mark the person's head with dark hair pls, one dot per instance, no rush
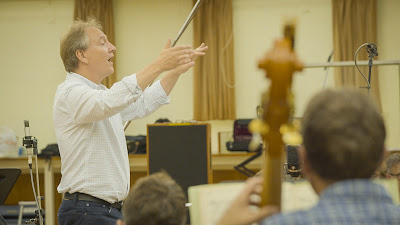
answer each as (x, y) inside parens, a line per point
(163, 120)
(155, 200)
(344, 136)
(393, 167)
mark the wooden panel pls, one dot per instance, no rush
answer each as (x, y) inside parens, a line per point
(136, 175)
(22, 190)
(228, 175)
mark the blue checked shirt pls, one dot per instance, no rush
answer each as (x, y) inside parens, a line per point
(350, 202)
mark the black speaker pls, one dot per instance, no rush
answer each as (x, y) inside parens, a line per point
(182, 150)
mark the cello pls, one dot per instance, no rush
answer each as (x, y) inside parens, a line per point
(276, 127)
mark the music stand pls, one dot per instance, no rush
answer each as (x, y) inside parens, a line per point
(8, 177)
(242, 166)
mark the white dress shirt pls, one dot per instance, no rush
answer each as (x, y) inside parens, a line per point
(88, 120)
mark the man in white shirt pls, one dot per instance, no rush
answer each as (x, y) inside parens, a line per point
(88, 120)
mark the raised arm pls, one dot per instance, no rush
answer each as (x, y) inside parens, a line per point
(169, 58)
(169, 80)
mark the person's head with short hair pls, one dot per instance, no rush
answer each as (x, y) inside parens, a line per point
(393, 166)
(344, 135)
(84, 49)
(380, 172)
(155, 200)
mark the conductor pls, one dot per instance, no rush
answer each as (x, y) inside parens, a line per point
(88, 120)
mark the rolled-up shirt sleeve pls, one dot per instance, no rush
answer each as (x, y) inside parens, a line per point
(152, 98)
(87, 102)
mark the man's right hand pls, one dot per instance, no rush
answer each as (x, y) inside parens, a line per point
(172, 57)
(242, 210)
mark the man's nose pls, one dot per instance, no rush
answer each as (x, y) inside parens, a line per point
(112, 48)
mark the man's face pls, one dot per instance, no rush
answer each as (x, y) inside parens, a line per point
(99, 53)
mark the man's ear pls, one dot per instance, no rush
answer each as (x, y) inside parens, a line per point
(81, 56)
(120, 222)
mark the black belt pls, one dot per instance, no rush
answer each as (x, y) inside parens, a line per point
(85, 197)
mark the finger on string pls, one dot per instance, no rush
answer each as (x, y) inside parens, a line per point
(251, 185)
(255, 199)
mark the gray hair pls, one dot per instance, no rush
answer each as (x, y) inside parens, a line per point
(392, 161)
(344, 135)
(75, 39)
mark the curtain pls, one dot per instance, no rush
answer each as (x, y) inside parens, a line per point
(102, 10)
(354, 23)
(214, 93)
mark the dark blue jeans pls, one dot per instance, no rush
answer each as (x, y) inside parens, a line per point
(73, 212)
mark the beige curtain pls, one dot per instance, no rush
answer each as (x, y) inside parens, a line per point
(102, 10)
(214, 93)
(354, 23)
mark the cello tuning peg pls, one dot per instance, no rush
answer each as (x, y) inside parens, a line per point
(255, 142)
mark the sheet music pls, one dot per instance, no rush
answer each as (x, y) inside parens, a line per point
(210, 201)
(213, 200)
(297, 195)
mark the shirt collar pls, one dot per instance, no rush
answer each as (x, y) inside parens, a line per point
(91, 84)
(353, 188)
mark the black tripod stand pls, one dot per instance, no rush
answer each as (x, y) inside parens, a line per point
(30, 144)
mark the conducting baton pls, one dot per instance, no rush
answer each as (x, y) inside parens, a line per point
(187, 22)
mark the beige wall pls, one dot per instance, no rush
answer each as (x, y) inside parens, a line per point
(389, 48)
(31, 68)
(142, 29)
(257, 24)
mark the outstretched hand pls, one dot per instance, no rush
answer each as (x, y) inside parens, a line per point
(199, 51)
(172, 57)
(244, 210)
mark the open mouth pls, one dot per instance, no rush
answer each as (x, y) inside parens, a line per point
(110, 59)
